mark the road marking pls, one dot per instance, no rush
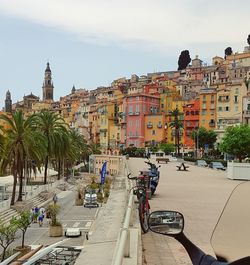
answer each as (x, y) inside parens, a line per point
(77, 220)
(88, 224)
(75, 224)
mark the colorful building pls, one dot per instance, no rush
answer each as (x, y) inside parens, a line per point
(208, 108)
(191, 122)
(137, 106)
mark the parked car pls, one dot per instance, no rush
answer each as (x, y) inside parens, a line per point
(217, 165)
(201, 163)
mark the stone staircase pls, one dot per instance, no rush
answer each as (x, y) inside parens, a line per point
(40, 201)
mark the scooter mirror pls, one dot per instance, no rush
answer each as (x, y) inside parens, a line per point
(166, 222)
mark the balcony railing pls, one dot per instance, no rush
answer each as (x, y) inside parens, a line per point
(211, 124)
(149, 126)
(159, 126)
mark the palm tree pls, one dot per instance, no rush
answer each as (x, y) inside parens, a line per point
(177, 124)
(54, 128)
(22, 143)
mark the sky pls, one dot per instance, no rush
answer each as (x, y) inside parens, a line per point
(90, 43)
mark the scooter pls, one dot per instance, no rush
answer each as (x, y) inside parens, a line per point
(230, 239)
(154, 175)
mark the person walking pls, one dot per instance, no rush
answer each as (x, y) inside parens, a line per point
(40, 218)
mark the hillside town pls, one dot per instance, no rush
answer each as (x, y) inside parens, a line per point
(138, 111)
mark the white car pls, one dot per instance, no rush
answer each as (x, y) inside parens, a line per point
(72, 232)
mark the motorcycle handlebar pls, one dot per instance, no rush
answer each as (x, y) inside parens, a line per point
(128, 176)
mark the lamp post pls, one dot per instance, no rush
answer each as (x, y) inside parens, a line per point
(197, 142)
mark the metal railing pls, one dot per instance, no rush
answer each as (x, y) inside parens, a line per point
(123, 245)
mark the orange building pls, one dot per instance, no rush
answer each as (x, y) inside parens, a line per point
(191, 121)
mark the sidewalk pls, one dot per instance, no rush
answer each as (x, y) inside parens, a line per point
(103, 236)
(200, 194)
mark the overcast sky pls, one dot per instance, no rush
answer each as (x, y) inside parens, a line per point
(90, 43)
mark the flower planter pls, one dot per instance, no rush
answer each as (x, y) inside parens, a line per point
(55, 231)
(78, 202)
(240, 171)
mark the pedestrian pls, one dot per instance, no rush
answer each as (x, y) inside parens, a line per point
(40, 219)
(36, 214)
(42, 211)
(55, 198)
(32, 215)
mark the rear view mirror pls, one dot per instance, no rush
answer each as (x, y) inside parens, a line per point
(166, 222)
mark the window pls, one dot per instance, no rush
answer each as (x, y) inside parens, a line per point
(130, 109)
(236, 90)
(144, 108)
(137, 109)
(136, 133)
(219, 108)
(236, 108)
(187, 113)
(204, 105)
(137, 124)
(203, 112)
(153, 132)
(226, 108)
(137, 98)
(248, 106)
(131, 123)
(203, 122)
(196, 112)
(136, 143)
(130, 133)
(235, 99)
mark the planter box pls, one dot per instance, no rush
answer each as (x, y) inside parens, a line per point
(78, 202)
(55, 231)
(239, 171)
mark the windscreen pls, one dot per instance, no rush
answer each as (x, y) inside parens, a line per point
(231, 236)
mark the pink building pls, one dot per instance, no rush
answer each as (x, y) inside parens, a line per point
(136, 106)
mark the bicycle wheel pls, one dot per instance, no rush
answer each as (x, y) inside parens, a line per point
(143, 215)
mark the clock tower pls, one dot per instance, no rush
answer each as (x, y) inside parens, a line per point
(48, 87)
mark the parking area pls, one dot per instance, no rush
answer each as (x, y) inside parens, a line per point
(200, 194)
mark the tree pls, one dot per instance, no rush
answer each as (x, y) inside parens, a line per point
(22, 222)
(248, 39)
(228, 51)
(204, 137)
(22, 143)
(167, 148)
(7, 236)
(53, 210)
(53, 126)
(176, 124)
(236, 141)
(184, 60)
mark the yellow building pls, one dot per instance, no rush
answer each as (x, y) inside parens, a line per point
(229, 107)
(155, 131)
(207, 108)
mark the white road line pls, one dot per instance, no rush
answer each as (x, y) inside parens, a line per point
(88, 224)
(75, 224)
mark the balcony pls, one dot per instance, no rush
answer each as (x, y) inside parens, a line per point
(246, 113)
(149, 126)
(211, 124)
(223, 99)
(212, 107)
(131, 113)
(159, 126)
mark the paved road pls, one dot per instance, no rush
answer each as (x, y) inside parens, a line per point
(70, 216)
(200, 194)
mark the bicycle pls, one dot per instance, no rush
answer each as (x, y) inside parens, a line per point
(140, 190)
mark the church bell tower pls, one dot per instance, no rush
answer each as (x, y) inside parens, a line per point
(48, 87)
(8, 102)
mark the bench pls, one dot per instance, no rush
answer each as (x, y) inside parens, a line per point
(162, 159)
(184, 167)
